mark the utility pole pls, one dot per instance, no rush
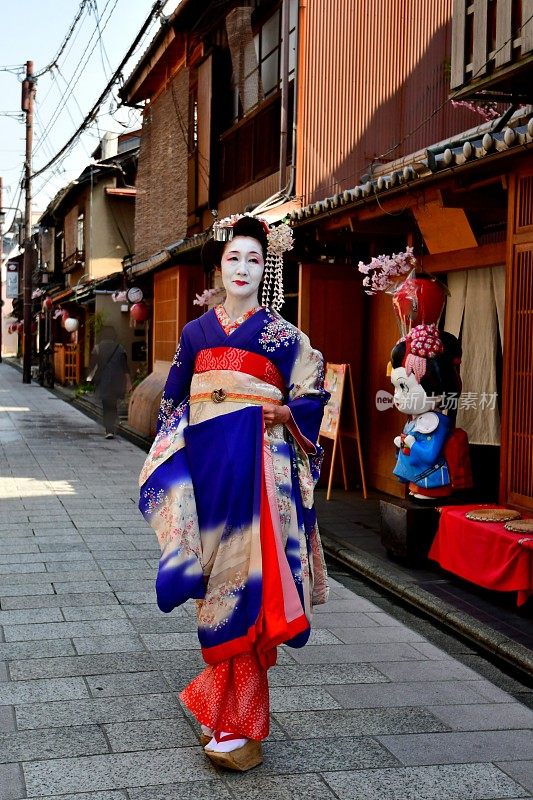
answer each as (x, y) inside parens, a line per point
(1, 257)
(28, 95)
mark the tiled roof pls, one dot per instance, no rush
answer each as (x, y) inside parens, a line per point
(441, 158)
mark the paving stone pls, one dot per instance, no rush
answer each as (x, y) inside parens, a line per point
(64, 600)
(449, 670)
(128, 683)
(76, 587)
(322, 674)
(487, 716)
(300, 698)
(96, 711)
(171, 641)
(67, 630)
(80, 665)
(42, 690)
(3, 672)
(150, 735)
(17, 548)
(196, 790)
(88, 613)
(145, 597)
(21, 569)
(415, 693)
(167, 623)
(43, 649)
(7, 719)
(254, 786)
(25, 617)
(53, 743)
(11, 782)
(447, 782)
(29, 589)
(116, 771)
(108, 644)
(519, 771)
(377, 635)
(460, 747)
(318, 755)
(358, 722)
(350, 653)
(118, 795)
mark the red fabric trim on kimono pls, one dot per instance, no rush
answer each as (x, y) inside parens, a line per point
(231, 696)
(232, 358)
(281, 616)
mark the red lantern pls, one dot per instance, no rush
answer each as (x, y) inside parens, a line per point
(48, 304)
(139, 312)
(419, 300)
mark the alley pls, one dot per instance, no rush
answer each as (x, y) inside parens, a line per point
(89, 668)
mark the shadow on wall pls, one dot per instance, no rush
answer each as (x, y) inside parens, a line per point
(402, 122)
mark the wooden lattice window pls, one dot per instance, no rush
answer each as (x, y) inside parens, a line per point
(517, 482)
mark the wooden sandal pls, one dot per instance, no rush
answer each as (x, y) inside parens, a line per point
(241, 759)
(205, 738)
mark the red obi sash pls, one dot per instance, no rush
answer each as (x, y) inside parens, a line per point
(232, 358)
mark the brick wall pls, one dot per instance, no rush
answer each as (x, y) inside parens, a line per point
(161, 203)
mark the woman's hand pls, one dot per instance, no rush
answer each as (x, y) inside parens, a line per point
(276, 415)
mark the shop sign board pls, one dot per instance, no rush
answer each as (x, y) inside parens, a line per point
(12, 280)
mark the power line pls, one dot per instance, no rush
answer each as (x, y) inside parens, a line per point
(103, 51)
(79, 69)
(70, 31)
(156, 8)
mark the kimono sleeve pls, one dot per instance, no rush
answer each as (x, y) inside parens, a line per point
(307, 396)
(177, 386)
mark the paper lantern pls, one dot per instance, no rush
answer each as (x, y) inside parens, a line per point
(419, 300)
(48, 304)
(139, 312)
(135, 295)
(71, 324)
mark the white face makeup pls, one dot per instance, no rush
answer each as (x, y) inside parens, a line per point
(409, 395)
(242, 267)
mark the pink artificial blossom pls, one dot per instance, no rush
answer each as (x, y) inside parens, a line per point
(382, 271)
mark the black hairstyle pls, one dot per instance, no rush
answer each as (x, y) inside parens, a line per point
(246, 226)
(442, 371)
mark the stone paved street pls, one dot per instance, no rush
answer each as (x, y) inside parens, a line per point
(89, 668)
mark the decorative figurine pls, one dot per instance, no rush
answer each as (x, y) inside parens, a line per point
(432, 454)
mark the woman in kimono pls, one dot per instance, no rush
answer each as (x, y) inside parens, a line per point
(228, 487)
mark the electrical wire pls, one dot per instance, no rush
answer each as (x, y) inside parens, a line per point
(79, 71)
(156, 8)
(70, 31)
(103, 51)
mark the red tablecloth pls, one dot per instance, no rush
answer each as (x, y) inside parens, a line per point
(484, 552)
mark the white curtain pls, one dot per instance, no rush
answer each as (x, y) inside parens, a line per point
(476, 305)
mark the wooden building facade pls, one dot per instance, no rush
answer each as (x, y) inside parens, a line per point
(264, 105)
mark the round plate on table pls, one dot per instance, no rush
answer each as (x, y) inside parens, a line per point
(492, 514)
(519, 526)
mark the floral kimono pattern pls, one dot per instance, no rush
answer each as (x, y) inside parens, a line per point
(231, 501)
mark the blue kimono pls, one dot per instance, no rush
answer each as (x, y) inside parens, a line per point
(424, 463)
(232, 502)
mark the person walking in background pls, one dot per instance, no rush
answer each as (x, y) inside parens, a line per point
(110, 375)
